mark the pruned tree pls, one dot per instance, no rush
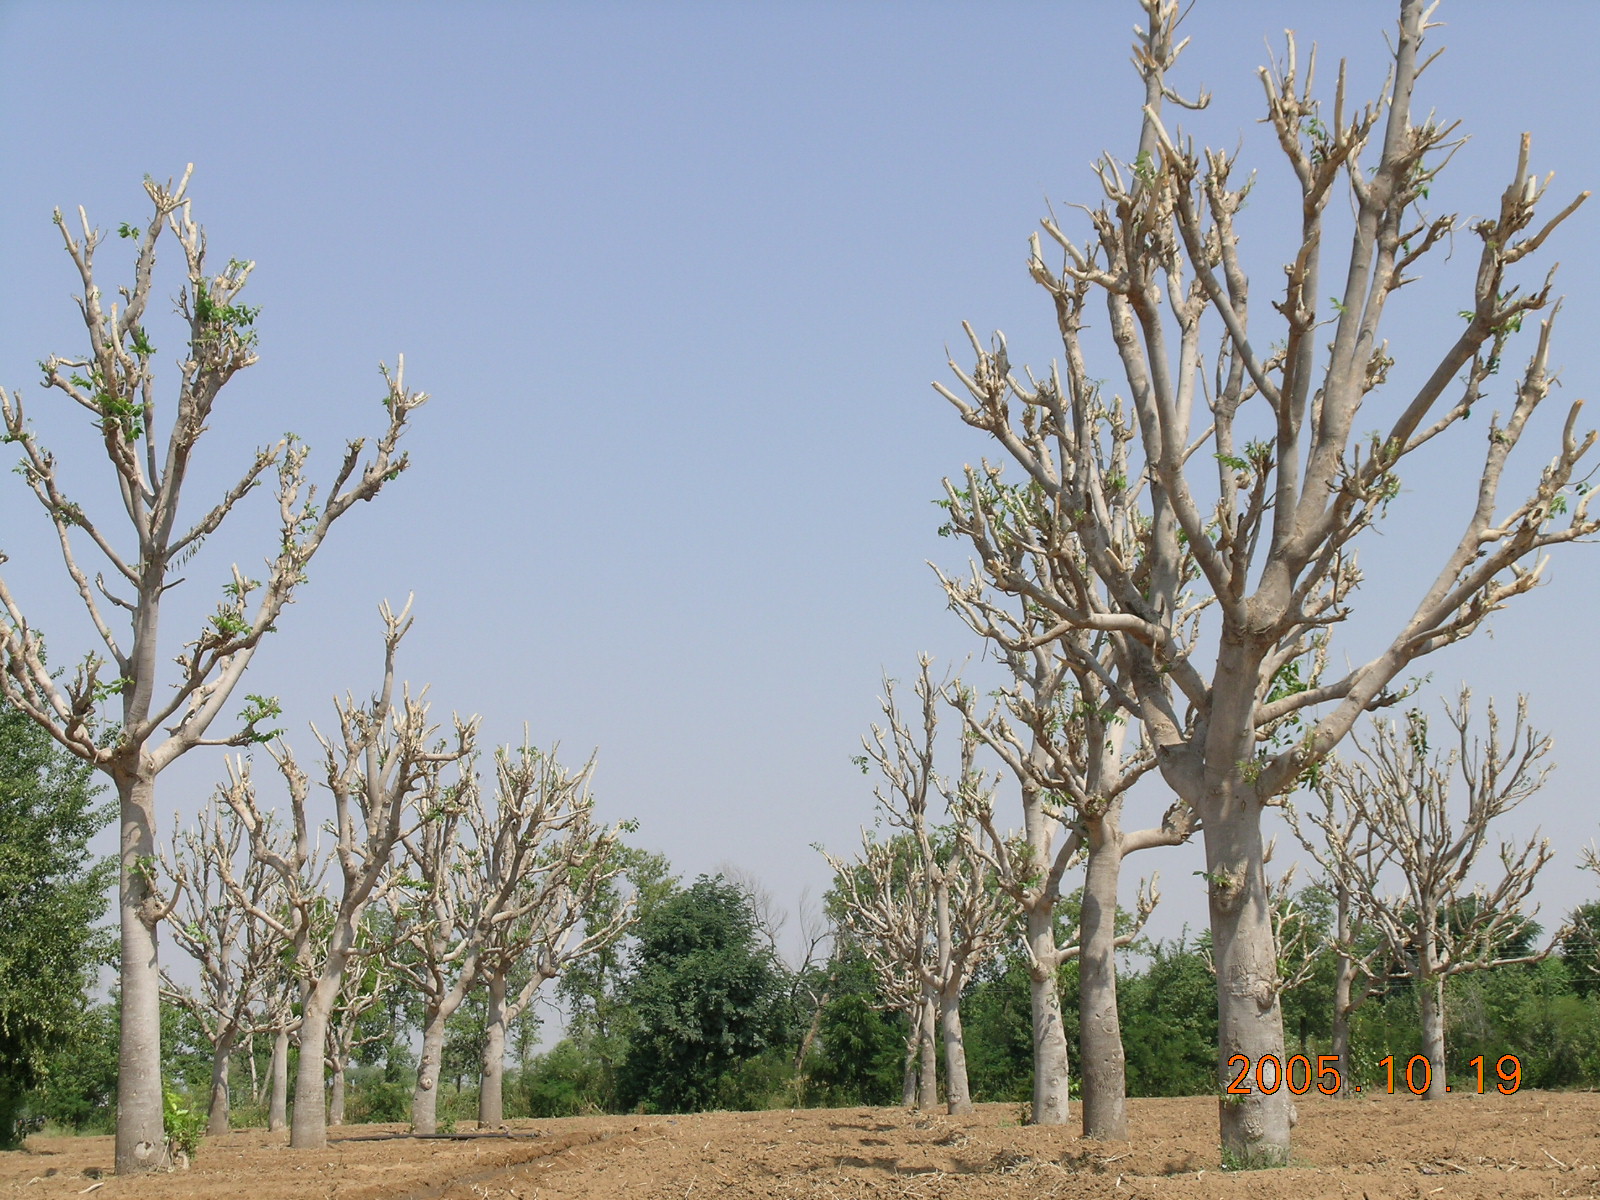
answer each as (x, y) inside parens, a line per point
(385, 776)
(942, 916)
(1398, 786)
(883, 904)
(1207, 522)
(1069, 752)
(158, 721)
(476, 870)
(1350, 851)
(552, 860)
(237, 955)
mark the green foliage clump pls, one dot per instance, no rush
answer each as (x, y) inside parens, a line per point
(1169, 1023)
(185, 1125)
(860, 1047)
(51, 898)
(706, 994)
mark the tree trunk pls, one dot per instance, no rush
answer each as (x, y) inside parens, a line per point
(1050, 1077)
(309, 1129)
(491, 1087)
(141, 1129)
(278, 1109)
(1341, 1031)
(1255, 1126)
(928, 1079)
(221, 1056)
(1100, 1053)
(1431, 993)
(255, 1075)
(336, 1092)
(425, 1099)
(1344, 977)
(958, 1098)
(908, 1075)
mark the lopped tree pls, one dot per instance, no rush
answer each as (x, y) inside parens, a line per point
(882, 907)
(1348, 850)
(237, 955)
(1074, 770)
(385, 774)
(1206, 520)
(487, 881)
(929, 903)
(113, 710)
(1396, 791)
(553, 862)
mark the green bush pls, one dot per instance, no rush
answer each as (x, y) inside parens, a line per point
(185, 1125)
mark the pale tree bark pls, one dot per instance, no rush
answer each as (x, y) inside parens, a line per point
(1074, 769)
(927, 1053)
(1387, 811)
(278, 1104)
(385, 762)
(159, 722)
(491, 1086)
(908, 1069)
(1213, 554)
(235, 953)
(923, 912)
(282, 991)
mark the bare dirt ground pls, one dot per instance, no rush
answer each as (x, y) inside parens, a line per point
(1530, 1144)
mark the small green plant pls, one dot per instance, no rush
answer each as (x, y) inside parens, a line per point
(1233, 1160)
(185, 1128)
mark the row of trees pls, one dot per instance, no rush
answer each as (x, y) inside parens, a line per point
(690, 1004)
(427, 876)
(440, 887)
(1404, 893)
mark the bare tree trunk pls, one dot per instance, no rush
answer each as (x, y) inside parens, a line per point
(1050, 1065)
(255, 1075)
(1432, 997)
(278, 1109)
(491, 1087)
(908, 1074)
(141, 1130)
(958, 1097)
(221, 1056)
(928, 1078)
(1255, 1126)
(1100, 1053)
(1343, 978)
(309, 1127)
(425, 1099)
(337, 1091)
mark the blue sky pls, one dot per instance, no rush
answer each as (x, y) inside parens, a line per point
(678, 277)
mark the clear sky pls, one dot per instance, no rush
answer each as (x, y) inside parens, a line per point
(678, 277)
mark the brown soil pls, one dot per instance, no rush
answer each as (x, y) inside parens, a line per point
(1530, 1144)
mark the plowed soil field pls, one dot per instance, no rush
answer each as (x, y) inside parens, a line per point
(1530, 1144)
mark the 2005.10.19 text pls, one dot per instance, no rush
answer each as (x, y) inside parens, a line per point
(1269, 1074)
